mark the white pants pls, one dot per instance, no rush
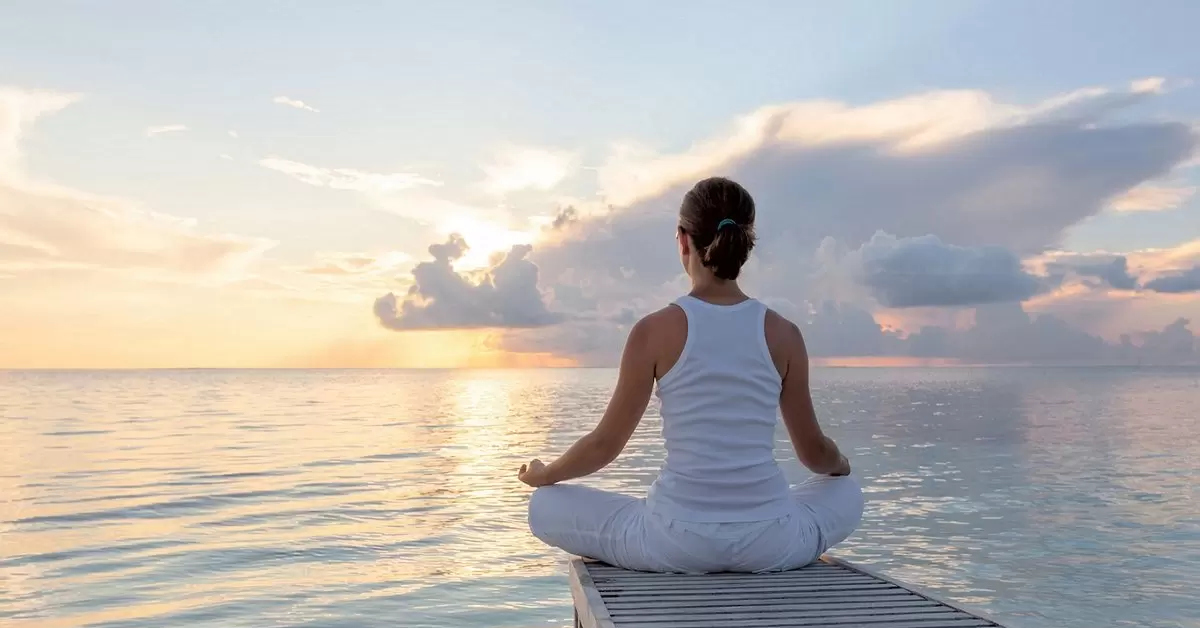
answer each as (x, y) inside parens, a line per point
(620, 531)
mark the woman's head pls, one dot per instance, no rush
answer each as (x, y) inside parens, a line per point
(716, 227)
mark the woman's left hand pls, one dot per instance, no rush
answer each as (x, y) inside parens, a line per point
(533, 474)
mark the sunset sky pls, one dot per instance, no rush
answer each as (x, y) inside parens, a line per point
(279, 184)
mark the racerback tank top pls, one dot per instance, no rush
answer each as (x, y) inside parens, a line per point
(719, 413)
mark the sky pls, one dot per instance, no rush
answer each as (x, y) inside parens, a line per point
(472, 184)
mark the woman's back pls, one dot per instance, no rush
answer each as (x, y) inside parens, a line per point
(719, 404)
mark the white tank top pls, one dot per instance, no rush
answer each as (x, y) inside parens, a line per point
(719, 409)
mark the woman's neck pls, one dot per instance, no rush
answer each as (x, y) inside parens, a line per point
(708, 287)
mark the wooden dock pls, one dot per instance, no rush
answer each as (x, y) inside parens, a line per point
(828, 593)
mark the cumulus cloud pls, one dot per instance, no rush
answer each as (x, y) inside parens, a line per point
(924, 272)
(296, 104)
(1111, 269)
(1174, 343)
(1152, 198)
(1114, 273)
(166, 128)
(503, 296)
(1001, 333)
(966, 186)
(347, 178)
(526, 167)
(1175, 283)
(954, 164)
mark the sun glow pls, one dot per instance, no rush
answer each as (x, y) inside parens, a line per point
(485, 239)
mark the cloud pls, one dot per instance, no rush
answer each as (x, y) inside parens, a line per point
(1176, 283)
(233, 134)
(564, 217)
(347, 178)
(967, 187)
(1151, 198)
(1110, 268)
(291, 102)
(924, 272)
(1174, 343)
(344, 264)
(957, 165)
(1001, 333)
(19, 108)
(503, 296)
(166, 128)
(45, 226)
(1115, 273)
(526, 167)
(1149, 85)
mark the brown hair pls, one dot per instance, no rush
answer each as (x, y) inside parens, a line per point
(723, 247)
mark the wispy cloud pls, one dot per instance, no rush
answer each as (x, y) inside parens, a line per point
(347, 178)
(226, 157)
(166, 128)
(1151, 198)
(357, 264)
(18, 108)
(292, 102)
(233, 134)
(46, 226)
(526, 167)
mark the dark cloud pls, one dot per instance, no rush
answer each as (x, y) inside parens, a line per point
(1001, 333)
(564, 217)
(924, 271)
(1113, 270)
(1115, 273)
(1175, 343)
(835, 329)
(1186, 281)
(505, 295)
(1005, 333)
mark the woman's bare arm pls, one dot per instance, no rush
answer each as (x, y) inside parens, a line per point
(815, 450)
(602, 445)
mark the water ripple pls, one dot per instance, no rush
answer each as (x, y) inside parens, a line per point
(369, 498)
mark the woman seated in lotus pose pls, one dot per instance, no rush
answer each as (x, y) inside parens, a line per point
(724, 364)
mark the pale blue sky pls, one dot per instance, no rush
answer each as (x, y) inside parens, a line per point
(433, 87)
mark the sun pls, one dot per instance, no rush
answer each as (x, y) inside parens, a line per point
(485, 239)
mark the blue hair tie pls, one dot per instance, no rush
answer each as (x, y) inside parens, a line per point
(728, 222)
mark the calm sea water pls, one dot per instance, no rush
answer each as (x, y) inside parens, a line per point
(1050, 497)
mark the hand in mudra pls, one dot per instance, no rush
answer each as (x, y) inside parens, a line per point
(843, 468)
(533, 474)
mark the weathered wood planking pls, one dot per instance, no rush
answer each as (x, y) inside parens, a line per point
(830, 593)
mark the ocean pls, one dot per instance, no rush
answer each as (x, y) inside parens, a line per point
(1044, 496)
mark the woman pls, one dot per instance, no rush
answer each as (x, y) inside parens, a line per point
(724, 365)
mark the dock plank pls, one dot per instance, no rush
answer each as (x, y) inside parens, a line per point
(828, 593)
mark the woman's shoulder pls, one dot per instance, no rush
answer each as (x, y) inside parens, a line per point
(785, 341)
(780, 325)
(671, 317)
